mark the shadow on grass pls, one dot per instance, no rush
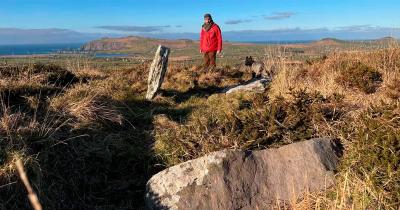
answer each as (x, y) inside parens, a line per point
(104, 166)
(200, 92)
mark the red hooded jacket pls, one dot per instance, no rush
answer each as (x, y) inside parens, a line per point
(211, 40)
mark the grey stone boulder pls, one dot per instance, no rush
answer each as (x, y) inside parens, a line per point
(258, 85)
(232, 179)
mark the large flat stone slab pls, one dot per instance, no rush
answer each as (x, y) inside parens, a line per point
(233, 179)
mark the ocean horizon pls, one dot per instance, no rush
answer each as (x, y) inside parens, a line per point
(37, 49)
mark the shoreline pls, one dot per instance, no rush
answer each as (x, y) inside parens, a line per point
(28, 56)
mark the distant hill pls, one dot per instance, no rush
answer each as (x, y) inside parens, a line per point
(352, 44)
(328, 42)
(134, 43)
(388, 38)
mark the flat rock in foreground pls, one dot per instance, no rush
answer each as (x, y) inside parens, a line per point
(258, 85)
(233, 179)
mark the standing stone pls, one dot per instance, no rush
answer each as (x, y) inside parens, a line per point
(157, 71)
(232, 179)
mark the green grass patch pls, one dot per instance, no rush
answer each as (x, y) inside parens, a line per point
(242, 121)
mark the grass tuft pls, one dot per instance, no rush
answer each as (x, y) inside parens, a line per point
(361, 77)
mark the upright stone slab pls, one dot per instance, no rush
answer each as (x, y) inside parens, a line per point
(157, 71)
(232, 179)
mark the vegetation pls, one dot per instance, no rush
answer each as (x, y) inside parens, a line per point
(374, 157)
(242, 121)
(89, 140)
(361, 77)
(369, 174)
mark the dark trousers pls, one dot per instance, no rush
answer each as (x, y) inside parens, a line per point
(210, 59)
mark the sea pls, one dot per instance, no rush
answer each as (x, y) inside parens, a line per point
(38, 49)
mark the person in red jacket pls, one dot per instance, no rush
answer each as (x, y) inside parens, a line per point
(210, 42)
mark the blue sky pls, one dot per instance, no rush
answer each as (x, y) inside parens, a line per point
(156, 18)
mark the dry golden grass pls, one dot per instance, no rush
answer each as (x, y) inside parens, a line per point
(355, 188)
(31, 193)
(322, 76)
(100, 134)
(88, 107)
(369, 175)
(83, 68)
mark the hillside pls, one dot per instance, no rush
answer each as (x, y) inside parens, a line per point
(184, 49)
(140, 44)
(134, 43)
(329, 41)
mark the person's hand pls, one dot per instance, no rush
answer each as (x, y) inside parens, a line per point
(201, 51)
(219, 52)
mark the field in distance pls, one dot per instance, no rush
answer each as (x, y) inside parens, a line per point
(185, 49)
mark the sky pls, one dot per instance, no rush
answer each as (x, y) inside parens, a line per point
(259, 20)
